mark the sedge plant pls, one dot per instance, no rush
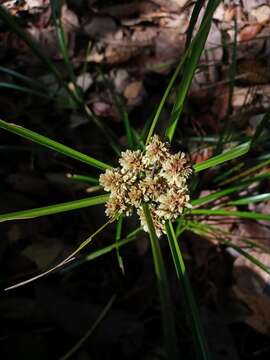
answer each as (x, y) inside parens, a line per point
(237, 175)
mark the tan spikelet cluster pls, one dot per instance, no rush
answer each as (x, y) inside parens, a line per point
(155, 177)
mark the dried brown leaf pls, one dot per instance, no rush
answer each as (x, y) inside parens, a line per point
(250, 31)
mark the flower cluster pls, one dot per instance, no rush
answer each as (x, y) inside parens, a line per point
(155, 177)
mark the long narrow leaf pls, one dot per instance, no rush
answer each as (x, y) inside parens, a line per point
(223, 235)
(67, 260)
(250, 199)
(239, 214)
(165, 97)
(64, 102)
(33, 82)
(101, 316)
(163, 287)
(20, 32)
(216, 195)
(245, 173)
(100, 252)
(226, 130)
(54, 209)
(26, 90)
(104, 250)
(260, 128)
(106, 131)
(239, 150)
(248, 256)
(253, 179)
(193, 20)
(190, 66)
(83, 178)
(138, 140)
(122, 111)
(230, 171)
(232, 70)
(118, 232)
(42, 94)
(51, 144)
(56, 14)
(203, 230)
(201, 346)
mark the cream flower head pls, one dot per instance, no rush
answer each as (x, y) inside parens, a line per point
(155, 177)
(173, 203)
(111, 180)
(131, 161)
(156, 152)
(175, 169)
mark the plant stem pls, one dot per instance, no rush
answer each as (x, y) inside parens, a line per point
(201, 346)
(163, 288)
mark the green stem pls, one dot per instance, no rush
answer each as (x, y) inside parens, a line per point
(163, 288)
(197, 330)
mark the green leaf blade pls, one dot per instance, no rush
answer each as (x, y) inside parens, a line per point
(54, 209)
(251, 199)
(21, 33)
(216, 195)
(201, 346)
(234, 153)
(53, 145)
(163, 287)
(239, 214)
(190, 66)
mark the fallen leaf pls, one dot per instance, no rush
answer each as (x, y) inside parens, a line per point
(220, 12)
(99, 26)
(106, 110)
(171, 5)
(249, 5)
(261, 14)
(253, 288)
(201, 155)
(249, 32)
(259, 306)
(115, 54)
(241, 96)
(144, 36)
(84, 81)
(30, 6)
(133, 89)
(180, 3)
(134, 92)
(179, 21)
(229, 13)
(36, 3)
(120, 79)
(253, 70)
(69, 19)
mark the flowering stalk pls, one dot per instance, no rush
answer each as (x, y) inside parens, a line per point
(154, 177)
(193, 312)
(163, 288)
